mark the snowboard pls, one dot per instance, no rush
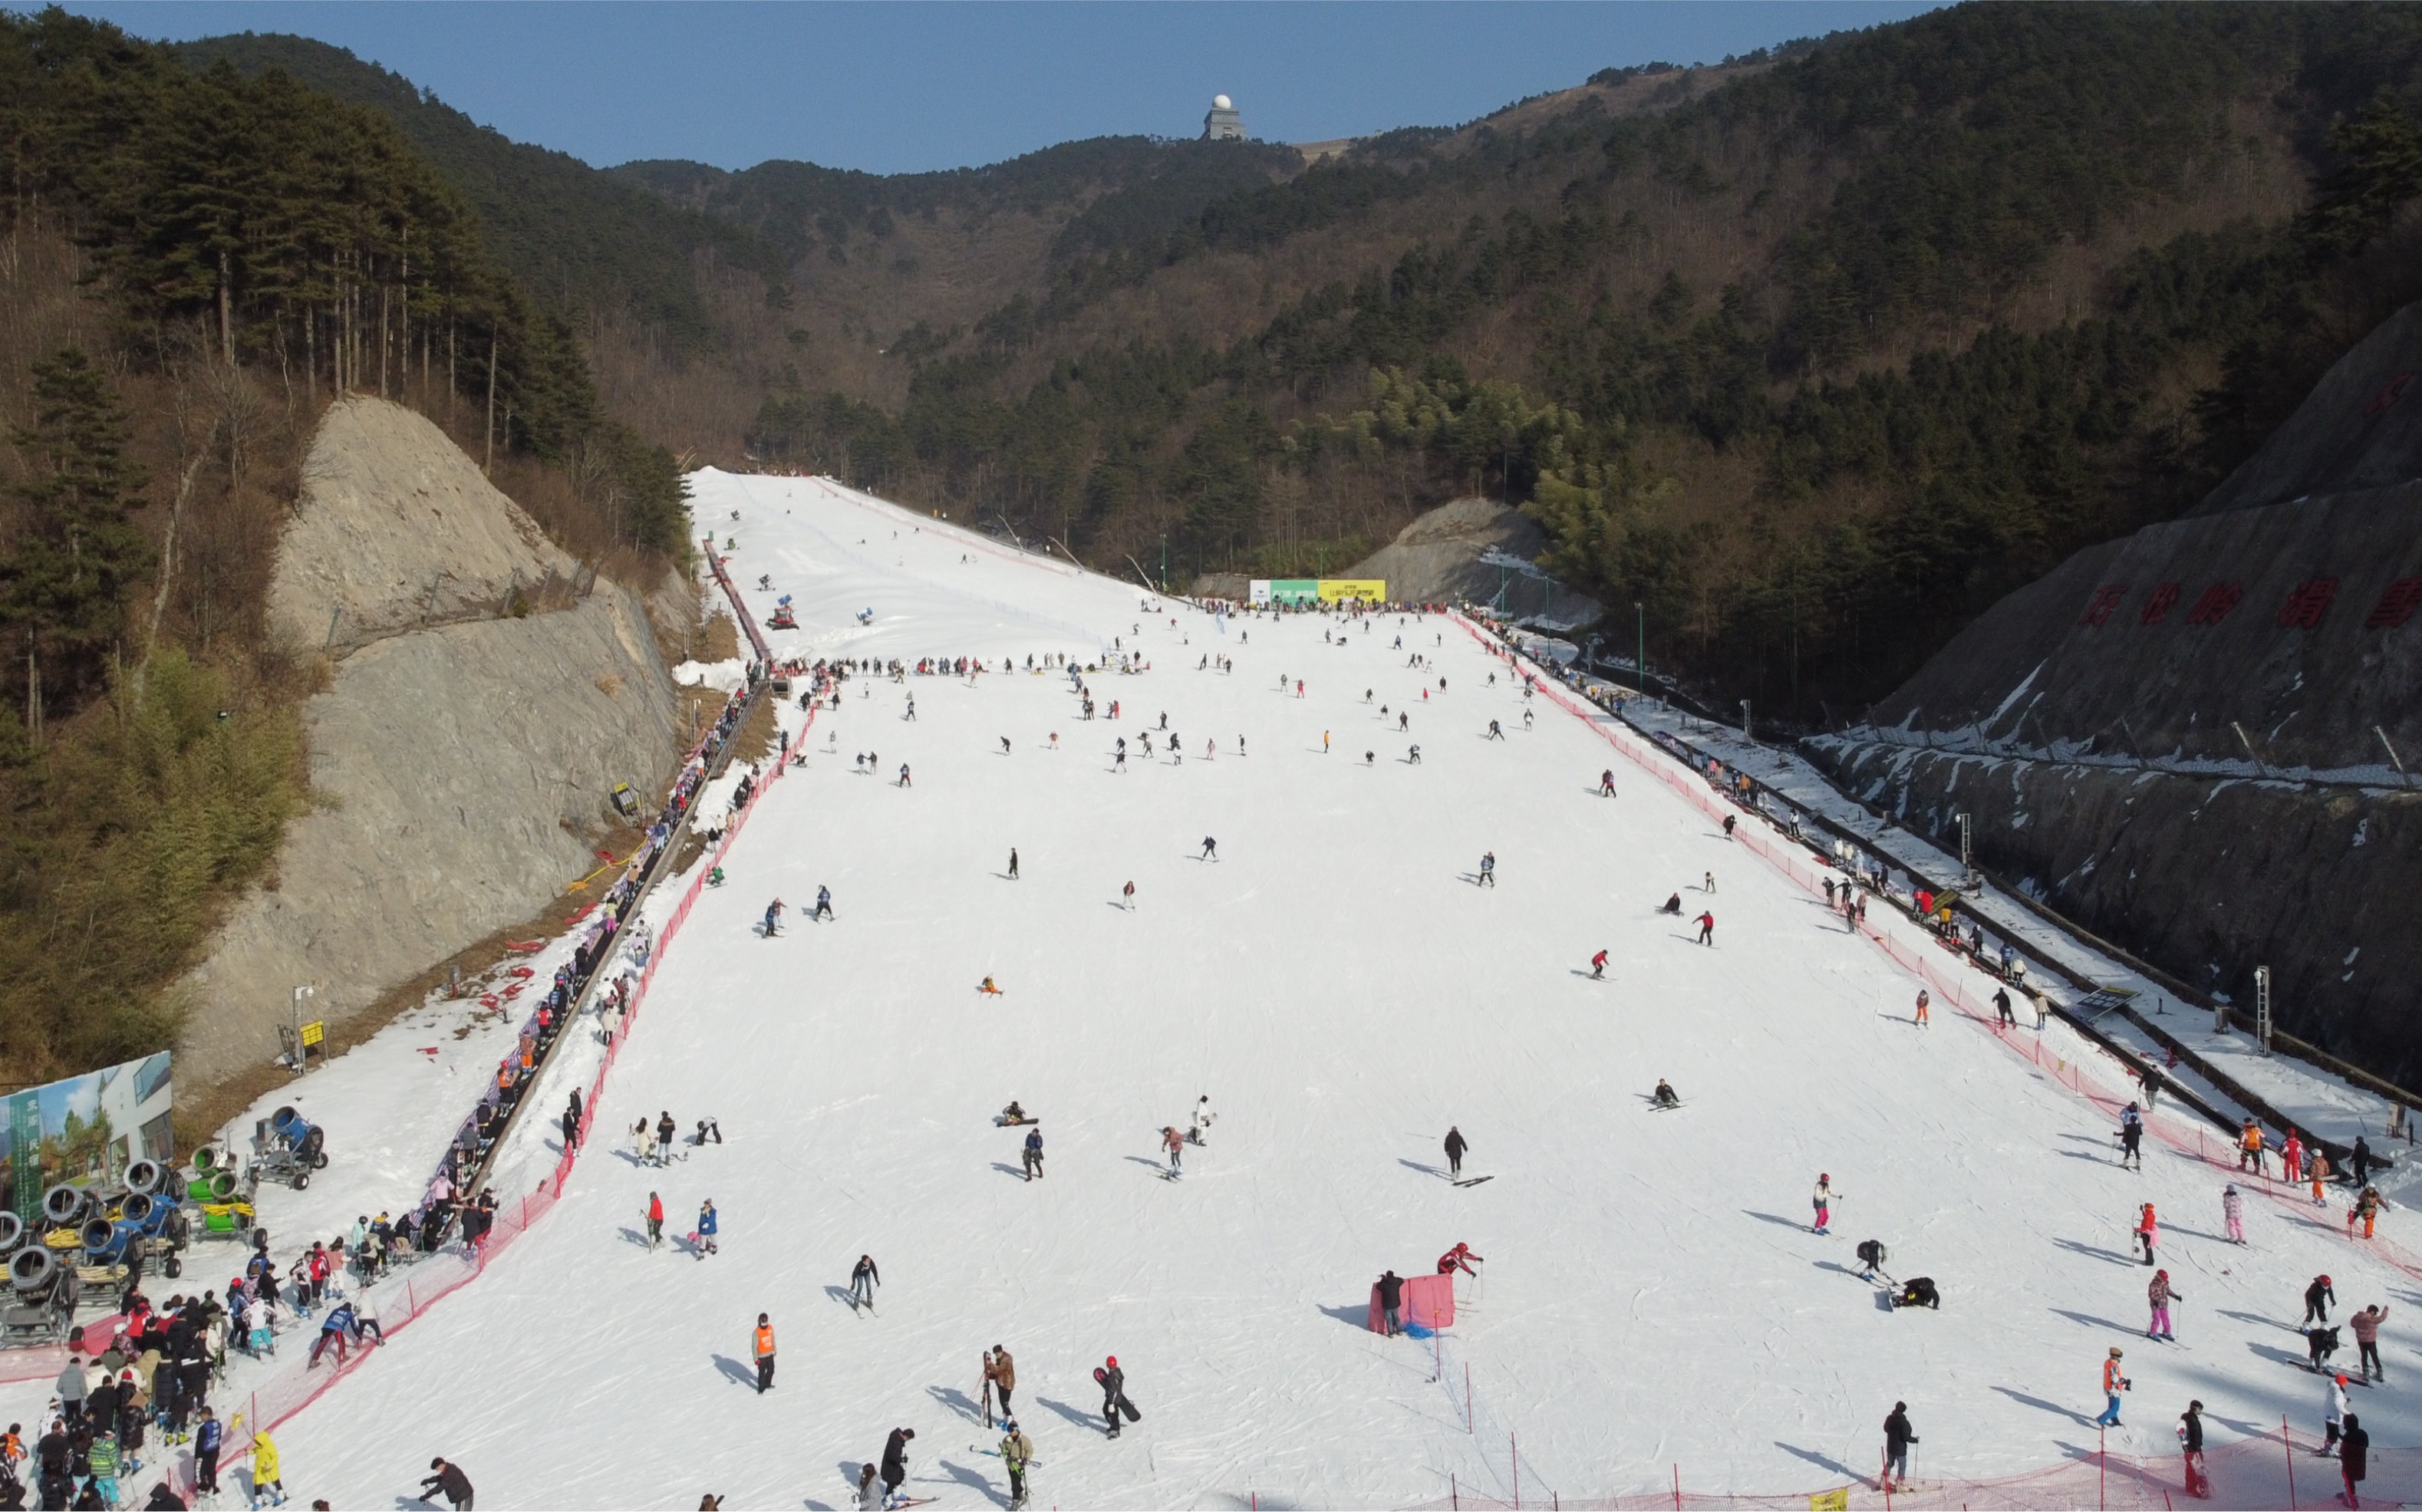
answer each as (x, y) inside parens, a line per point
(1124, 1406)
(1475, 1181)
(999, 1122)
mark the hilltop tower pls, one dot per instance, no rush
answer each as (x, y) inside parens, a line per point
(1223, 124)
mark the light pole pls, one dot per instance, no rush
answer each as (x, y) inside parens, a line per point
(1967, 871)
(1745, 734)
(1640, 666)
(301, 1058)
(1164, 562)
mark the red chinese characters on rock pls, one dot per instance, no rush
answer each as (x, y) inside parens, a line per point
(2105, 604)
(2215, 603)
(2307, 603)
(2396, 604)
(2156, 608)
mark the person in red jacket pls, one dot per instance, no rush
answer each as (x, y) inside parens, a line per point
(1706, 922)
(1459, 1258)
(656, 1221)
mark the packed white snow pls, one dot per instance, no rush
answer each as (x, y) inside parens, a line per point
(1343, 991)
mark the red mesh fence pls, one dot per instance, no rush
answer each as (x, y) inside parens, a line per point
(400, 1300)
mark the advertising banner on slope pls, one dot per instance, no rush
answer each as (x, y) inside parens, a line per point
(1338, 589)
(84, 1130)
(1293, 590)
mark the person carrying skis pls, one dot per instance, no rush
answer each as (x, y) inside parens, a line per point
(1597, 966)
(1033, 1155)
(706, 1227)
(1016, 1452)
(2112, 1384)
(446, 1478)
(2132, 1137)
(2232, 1211)
(2318, 1300)
(1898, 1435)
(1706, 922)
(760, 1345)
(1455, 1146)
(773, 918)
(2191, 1443)
(824, 905)
(863, 1279)
(1000, 1373)
(1459, 1258)
(1822, 1201)
(2160, 1295)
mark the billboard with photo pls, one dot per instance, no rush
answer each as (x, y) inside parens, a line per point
(84, 1130)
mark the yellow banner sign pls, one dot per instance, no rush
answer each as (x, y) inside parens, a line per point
(1333, 590)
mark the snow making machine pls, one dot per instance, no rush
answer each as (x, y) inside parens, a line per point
(216, 1200)
(287, 1148)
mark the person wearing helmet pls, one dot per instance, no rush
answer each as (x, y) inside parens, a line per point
(2160, 1296)
(1016, 1452)
(1822, 1201)
(2318, 1298)
(1115, 1385)
(2112, 1384)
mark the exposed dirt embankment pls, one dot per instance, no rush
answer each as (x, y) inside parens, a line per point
(2190, 738)
(1439, 558)
(462, 770)
(2208, 878)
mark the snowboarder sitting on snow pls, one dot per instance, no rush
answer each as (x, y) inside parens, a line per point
(715, 877)
(1012, 1113)
(1459, 1258)
(1872, 1255)
(988, 988)
(1918, 1291)
(1673, 905)
(1664, 1096)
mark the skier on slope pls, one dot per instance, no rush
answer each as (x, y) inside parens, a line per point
(1210, 849)
(1175, 1143)
(1706, 922)
(863, 1279)
(1013, 864)
(1822, 1201)
(1455, 1146)
(655, 1221)
(2333, 1408)
(1487, 869)
(1872, 1255)
(1017, 1454)
(2232, 1212)
(707, 1224)
(2319, 1298)
(1459, 1258)
(773, 918)
(895, 1460)
(1032, 1154)
(824, 903)
(761, 1344)
(2160, 1295)
(2149, 1232)
(1606, 783)
(1597, 966)
(2190, 1445)
(2112, 1384)
(2132, 1137)
(1664, 1096)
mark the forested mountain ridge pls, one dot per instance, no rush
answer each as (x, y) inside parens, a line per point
(1814, 355)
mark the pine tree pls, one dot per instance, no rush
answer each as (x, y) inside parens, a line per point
(62, 583)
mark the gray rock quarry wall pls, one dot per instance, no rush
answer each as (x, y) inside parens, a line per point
(2188, 739)
(461, 758)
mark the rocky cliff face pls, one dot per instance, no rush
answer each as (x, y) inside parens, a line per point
(461, 756)
(2191, 739)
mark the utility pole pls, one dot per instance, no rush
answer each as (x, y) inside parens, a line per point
(1745, 732)
(1967, 871)
(1164, 562)
(2262, 1008)
(1640, 666)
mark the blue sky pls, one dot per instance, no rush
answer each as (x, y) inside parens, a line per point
(895, 87)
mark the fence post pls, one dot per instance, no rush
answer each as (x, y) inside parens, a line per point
(1466, 1398)
(1454, 1496)
(1514, 1452)
(2289, 1450)
(2102, 1468)
(1677, 1488)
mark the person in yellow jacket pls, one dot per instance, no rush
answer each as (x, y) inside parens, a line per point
(266, 1479)
(763, 1343)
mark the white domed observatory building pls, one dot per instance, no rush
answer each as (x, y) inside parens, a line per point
(1224, 123)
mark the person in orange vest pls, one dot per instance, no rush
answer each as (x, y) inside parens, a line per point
(2249, 1148)
(2112, 1384)
(764, 1345)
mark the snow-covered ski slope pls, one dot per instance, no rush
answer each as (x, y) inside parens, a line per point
(1343, 991)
